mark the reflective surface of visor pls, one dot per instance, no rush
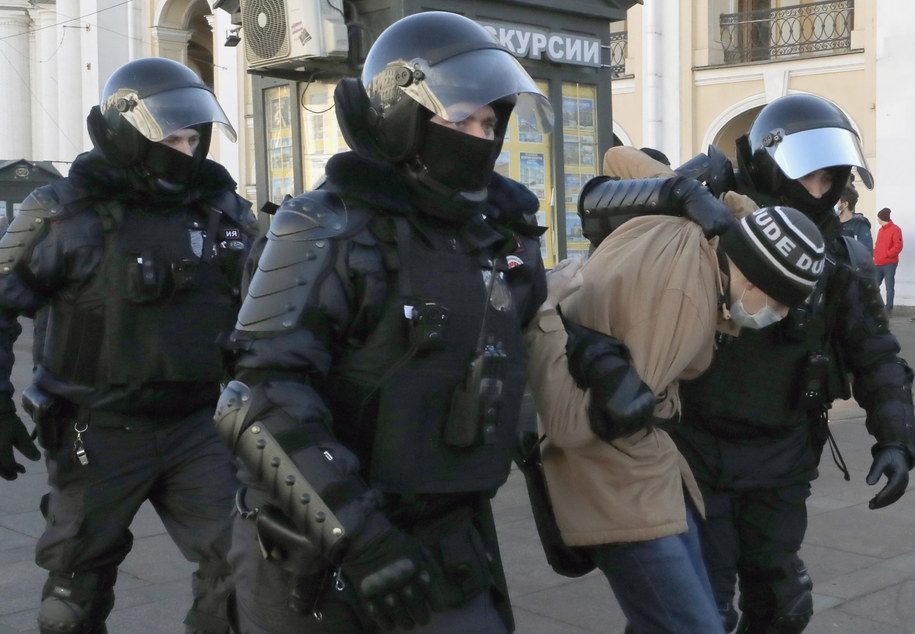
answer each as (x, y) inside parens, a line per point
(458, 86)
(162, 114)
(804, 152)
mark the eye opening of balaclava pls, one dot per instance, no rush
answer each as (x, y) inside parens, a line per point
(820, 210)
(170, 170)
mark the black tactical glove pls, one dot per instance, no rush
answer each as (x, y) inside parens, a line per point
(701, 206)
(621, 404)
(893, 461)
(13, 434)
(396, 579)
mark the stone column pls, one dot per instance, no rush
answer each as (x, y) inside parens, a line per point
(48, 132)
(15, 78)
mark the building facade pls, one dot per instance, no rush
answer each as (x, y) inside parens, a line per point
(697, 73)
(55, 57)
(680, 74)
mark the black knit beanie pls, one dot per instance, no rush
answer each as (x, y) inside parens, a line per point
(778, 249)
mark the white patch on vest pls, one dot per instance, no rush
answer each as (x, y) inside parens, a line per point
(513, 261)
(196, 241)
(501, 298)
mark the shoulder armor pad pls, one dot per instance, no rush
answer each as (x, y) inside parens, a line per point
(297, 253)
(316, 215)
(30, 225)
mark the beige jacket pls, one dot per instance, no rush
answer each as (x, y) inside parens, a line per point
(654, 283)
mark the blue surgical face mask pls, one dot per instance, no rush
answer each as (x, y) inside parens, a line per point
(837, 210)
(765, 316)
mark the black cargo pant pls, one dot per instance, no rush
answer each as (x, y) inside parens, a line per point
(180, 466)
(755, 491)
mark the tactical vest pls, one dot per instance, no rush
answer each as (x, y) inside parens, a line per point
(759, 377)
(406, 399)
(164, 291)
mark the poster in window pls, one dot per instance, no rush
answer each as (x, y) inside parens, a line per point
(533, 174)
(578, 113)
(570, 151)
(528, 129)
(586, 113)
(572, 187)
(502, 163)
(569, 112)
(573, 226)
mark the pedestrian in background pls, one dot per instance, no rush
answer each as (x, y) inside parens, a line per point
(854, 225)
(886, 254)
(138, 256)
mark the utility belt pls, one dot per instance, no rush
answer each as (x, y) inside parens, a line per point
(455, 539)
(49, 413)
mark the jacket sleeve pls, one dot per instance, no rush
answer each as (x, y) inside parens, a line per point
(311, 291)
(39, 262)
(882, 381)
(895, 247)
(864, 235)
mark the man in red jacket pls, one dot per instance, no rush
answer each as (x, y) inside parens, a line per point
(886, 254)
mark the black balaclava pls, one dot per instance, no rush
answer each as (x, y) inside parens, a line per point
(449, 173)
(168, 170)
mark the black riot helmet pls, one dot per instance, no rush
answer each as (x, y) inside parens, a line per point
(143, 102)
(438, 63)
(793, 136)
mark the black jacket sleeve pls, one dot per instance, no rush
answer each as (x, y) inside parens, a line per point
(304, 300)
(882, 380)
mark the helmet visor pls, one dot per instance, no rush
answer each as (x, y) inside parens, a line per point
(806, 151)
(457, 87)
(159, 115)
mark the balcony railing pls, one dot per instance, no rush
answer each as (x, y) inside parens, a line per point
(804, 30)
(618, 43)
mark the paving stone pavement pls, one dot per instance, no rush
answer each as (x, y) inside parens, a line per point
(862, 561)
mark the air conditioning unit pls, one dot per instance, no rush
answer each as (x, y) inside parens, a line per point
(280, 33)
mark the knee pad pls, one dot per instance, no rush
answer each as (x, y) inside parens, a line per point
(793, 597)
(778, 600)
(76, 603)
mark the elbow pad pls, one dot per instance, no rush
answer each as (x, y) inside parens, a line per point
(606, 203)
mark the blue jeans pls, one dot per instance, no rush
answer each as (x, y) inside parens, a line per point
(661, 584)
(887, 273)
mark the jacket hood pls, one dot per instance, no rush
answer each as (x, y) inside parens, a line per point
(382, 187)
(101, 178)
(858, 219)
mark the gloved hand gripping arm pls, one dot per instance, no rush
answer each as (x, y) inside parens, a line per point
(621, 403)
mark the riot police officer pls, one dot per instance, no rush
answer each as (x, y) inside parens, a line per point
(754, 425)
(379, 362)
(138, 254)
